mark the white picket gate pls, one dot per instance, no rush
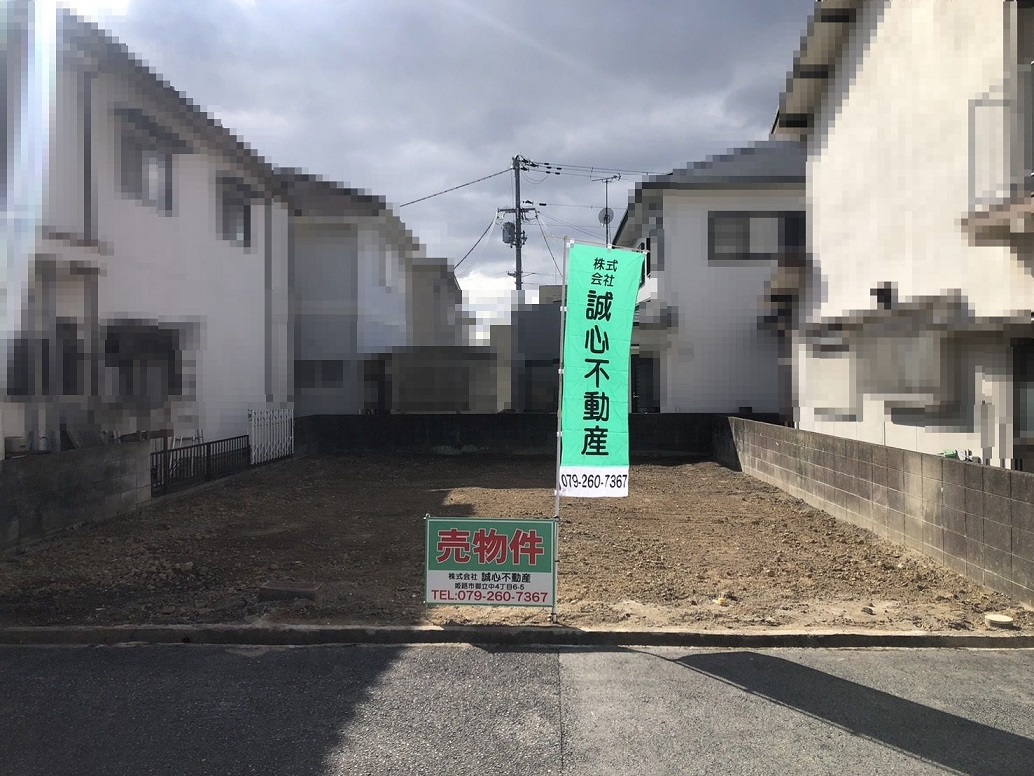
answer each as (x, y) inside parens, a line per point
(271, 432)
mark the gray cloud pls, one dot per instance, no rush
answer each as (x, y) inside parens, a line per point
(407, 97)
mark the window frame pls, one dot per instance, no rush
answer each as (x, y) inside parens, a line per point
(784, 219)
(234, 195)
(139, 154)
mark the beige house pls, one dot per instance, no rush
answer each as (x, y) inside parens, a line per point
(914, 329)
(436, 304)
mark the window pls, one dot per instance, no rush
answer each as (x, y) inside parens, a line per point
(235, 211)
(146, 169)
(319, 374)
(644, 245)
(145, 363)
(387, 268)
(751, 236)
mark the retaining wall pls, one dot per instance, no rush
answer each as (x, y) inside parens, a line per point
(975, 519)
(688, 433)
(43, 494)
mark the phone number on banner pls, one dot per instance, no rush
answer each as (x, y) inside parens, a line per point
(593, 482)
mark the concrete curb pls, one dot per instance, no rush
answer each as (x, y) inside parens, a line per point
(314, 635)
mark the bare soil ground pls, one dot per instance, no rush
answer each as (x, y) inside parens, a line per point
(694, 546)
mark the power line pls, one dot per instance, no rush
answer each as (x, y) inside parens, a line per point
(555, 166)
(572, 226)
(446, 191)
(528, 178)
(538, 220)
(475, 245)
(555, 204)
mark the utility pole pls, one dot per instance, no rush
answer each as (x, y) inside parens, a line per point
(607, 215)
(518, 233)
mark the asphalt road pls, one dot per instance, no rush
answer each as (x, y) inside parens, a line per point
(470, 710)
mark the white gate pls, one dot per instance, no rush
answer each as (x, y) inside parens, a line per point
(271, 432)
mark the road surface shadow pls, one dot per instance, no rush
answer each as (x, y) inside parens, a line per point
(168, 711)
(923, 732)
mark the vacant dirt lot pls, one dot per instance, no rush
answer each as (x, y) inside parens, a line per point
(694, 546)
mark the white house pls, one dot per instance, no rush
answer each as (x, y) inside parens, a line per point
(145, 247)
(352, 278)
(715, 233)
(915, 328)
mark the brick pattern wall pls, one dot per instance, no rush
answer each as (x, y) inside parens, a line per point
(975, 519)
(42, 494)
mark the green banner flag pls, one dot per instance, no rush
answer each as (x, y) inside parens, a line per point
(602, 285)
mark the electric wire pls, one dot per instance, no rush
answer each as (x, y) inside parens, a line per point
(472, 265)
(529, 179)
(556, 204)
(454, 188)
(591, 169)
(475, 245)
(572, 226)
(538, 220)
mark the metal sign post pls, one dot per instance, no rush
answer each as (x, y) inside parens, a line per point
(559, 426)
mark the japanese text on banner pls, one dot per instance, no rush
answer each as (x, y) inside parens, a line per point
(602, 285)
(494, 562)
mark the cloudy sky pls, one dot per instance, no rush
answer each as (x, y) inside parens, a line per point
(405, 98)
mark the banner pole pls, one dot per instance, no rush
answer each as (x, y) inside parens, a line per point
(559, 432)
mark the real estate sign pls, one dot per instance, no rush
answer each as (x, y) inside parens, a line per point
(602, 285)
(490, 562)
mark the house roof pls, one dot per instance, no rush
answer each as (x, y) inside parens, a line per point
(769, 161)
(311, 196)
(96, 44)
(772, 162)
(80, 35)
(828, 29)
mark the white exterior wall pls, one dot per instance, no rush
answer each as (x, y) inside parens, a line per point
(326, 303)
(718, 359)
(888, 170)
(63, 197)
(383, 305)
(888, 186)
(167, 268)
(177, 268)
(281, 345)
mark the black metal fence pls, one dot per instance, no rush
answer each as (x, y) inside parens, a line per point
(184, 467)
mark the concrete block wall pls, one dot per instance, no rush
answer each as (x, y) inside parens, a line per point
(43, 494)
(685, 433)
(975, 519)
